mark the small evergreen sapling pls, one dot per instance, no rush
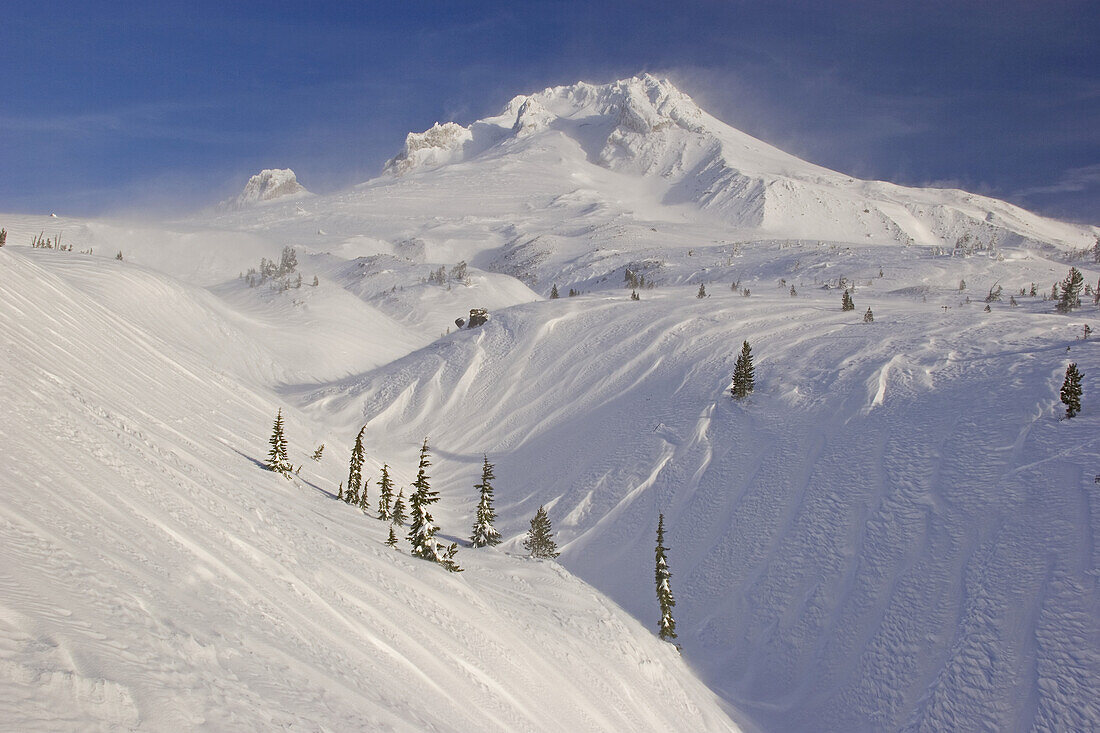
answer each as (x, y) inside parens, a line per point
(319, 452)
(702, 291)
(276, 457)
(392, 539)
(1071, 391)
(355, 470)
(744, 374)
(666, 627)
(399, 513)
(540, 541)
(846, 303)
(869, 317)
(364, 503)
(554, 292)
(484, 533)
(385, 494)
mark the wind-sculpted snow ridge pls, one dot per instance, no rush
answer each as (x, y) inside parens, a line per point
(893, 532)
(154, 577)
(268, 185)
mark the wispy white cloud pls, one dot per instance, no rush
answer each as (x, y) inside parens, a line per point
(1073, 180)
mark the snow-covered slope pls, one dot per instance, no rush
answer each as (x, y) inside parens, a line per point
(156, 578)
(895, 532)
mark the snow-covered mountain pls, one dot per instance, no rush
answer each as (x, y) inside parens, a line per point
(893, 532)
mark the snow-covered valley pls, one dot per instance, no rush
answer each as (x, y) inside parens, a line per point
(894, 531)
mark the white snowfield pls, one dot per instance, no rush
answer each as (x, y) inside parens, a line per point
(895, 531)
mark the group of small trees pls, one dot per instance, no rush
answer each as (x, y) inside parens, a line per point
(422, 527)
(421, 535)
(283, 275)
(847, 304)
(458, 274)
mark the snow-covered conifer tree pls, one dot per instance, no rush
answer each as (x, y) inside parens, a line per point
(667, 625)
(364, 503)
(392, 539)
(399, 514)
(846, 302)
(540, 541)
(1071, 291)
(484, 532)
(385, 494)
(422, 527)
(869, 317)
(744, 374)
(1071, 391)
(355, 470)
(702, 291)
(276, 457)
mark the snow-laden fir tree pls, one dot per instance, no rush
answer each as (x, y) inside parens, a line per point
(364, 503)
(422, 527)
(666, 627)
(846, 302)
(702, 291)
(385, 494)
(744, 374)
(276, 457)
(554, 292)
(1071, 391)
(319, 452)
(392, 539)
(1071, 291)
(484, 532)
(399, 513)
(355, 470)
(540, 540)
(869, 317)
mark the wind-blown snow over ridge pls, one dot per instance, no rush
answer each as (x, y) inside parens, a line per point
(645, 126)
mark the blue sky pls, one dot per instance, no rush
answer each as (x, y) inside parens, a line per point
(122, 106)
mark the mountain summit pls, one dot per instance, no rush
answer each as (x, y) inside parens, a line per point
(646, 127)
